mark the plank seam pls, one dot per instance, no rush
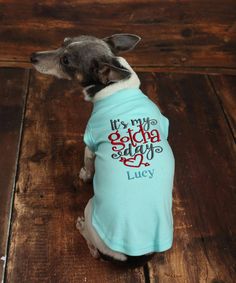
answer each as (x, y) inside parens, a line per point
(146, 273)
(26, 90)
(146, 68)
(221, 106)
(142, 66)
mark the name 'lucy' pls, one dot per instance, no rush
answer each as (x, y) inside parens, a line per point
(140, 174)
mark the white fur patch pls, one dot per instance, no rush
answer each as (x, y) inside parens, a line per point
(84, 175)
(86, 96)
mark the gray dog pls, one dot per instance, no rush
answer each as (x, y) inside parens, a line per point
(127, 155)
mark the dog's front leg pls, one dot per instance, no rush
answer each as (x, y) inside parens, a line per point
(87, 172)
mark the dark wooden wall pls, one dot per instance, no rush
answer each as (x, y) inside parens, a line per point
(194, 35)
(42, 120)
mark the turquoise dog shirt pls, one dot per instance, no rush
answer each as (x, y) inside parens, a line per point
(133, 181)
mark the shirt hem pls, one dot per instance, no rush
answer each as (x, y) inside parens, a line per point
(131, 251)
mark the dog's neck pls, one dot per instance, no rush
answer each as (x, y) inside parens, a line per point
(100, 92)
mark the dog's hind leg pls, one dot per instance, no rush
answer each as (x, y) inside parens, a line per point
(80, 225)
(92, 236)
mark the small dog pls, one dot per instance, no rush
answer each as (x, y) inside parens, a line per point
(127, 154)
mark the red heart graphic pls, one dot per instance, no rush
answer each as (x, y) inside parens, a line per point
(136, 161)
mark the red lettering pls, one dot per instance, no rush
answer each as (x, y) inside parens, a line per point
(113, 137)
(155, 136)
(135, 138)
(144, 134)
(131, 137)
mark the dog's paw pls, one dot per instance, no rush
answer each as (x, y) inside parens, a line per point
(93, 250)
(84, 175)
(80, 223)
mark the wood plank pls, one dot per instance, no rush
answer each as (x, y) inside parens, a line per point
(148, 69)
(225, 87)
(153, 12)
(204, 198)
(158, 47)
(12, 98)
(191, 34)
(45, 245)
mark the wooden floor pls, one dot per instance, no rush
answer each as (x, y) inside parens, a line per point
(42, 121)
(42, 124)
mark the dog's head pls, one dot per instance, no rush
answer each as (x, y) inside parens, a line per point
(90, 60)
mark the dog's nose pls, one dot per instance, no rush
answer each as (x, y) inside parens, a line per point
(33, 58)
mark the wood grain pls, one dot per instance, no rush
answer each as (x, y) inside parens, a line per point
(225, 87)
(45, 245)
(186, 34)
(13, 92)
(204, 199)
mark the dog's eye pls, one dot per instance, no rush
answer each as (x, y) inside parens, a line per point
(65, 60)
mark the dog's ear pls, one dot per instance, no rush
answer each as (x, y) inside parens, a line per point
(122, 42)
(108, 73)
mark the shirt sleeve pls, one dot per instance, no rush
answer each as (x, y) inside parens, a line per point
(88, 139)
(164, 126)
